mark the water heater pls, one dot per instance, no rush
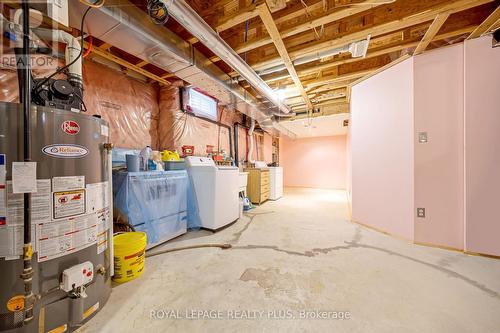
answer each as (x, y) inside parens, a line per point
(70, 218)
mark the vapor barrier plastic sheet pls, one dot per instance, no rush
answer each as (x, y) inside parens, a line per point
(130, 106)
(160, 203)
(177, 128)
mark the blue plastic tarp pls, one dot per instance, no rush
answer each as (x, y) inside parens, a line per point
(160, 203)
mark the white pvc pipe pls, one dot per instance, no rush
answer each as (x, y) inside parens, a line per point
(73, 47)
(251, 142)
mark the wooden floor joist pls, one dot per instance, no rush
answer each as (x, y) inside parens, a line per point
(488, 25)
(408, 21)
(108, 55)
(431, 32)
(272, 29)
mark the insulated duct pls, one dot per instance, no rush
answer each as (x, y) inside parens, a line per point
(125, 26)
(191, 21)
(357, 49)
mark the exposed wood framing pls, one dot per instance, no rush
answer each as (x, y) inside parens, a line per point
(142, 63)
(375, 72)
(488, 25)
(240, 17)
(108, 55)
(431, 32)
(271, 27)
(337, 15)
(408, 21)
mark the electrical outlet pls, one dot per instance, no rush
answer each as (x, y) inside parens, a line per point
(421, 212)
(422, 137)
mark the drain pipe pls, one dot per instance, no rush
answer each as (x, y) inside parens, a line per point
(192, 22)
(251, 142)
(25, 92)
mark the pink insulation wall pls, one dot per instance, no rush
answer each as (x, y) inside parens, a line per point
(381, 141)
(439, 163)
(482, 142)
(130, 106)
(314, 162)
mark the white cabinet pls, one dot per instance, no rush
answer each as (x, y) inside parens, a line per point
(276, 181)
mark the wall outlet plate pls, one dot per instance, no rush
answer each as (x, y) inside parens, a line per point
(421, 212)
(422, 137)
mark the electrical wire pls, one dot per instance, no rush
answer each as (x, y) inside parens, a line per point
(90, 48)
(99, 4)
(37, 88)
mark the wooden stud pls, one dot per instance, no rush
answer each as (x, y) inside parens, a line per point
(106, 54)
(487, 25)
(432, 32)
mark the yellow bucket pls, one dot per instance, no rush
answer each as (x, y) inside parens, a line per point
(129, 255)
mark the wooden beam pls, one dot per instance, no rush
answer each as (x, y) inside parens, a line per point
(337, 15)
(106, 54)
(271, 27)
(487, 24)
(379, 70)
(240, 17)
(432, 32)
(408, 21)
(142, 63)
(105, 46)
(326, 66)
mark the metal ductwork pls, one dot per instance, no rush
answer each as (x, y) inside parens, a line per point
(357, 49)
(125, 26)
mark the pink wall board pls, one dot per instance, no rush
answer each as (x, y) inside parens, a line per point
(482, 146)
(381, 138)
(314, 162)
(439, 163)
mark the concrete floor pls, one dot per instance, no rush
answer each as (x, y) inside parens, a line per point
(300, 254)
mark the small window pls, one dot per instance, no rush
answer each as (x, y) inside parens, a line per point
(202, 105)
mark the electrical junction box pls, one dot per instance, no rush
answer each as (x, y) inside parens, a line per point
(77, 276)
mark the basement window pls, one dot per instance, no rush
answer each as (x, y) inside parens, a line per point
(202, 105)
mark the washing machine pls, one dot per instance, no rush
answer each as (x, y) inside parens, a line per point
(216, 190)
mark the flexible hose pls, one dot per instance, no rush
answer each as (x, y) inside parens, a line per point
(222, 246)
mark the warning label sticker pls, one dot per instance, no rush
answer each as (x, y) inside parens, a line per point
(16, 303)
(41, 204)
(103, 226)
(69, 203)
(56, 239)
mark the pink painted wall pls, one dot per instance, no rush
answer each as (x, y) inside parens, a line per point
(314, 162)
(382, 150)
(482, 142)
(439, 164)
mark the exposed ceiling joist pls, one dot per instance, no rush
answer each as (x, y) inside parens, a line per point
(271, 27)
(431, 32)
(108, 55)
(381, 69)
(488, 25)
(408, 21)
(337, 15)
(238, 18)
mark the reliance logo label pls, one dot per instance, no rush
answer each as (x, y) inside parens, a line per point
(70, 127)
(65, 151)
